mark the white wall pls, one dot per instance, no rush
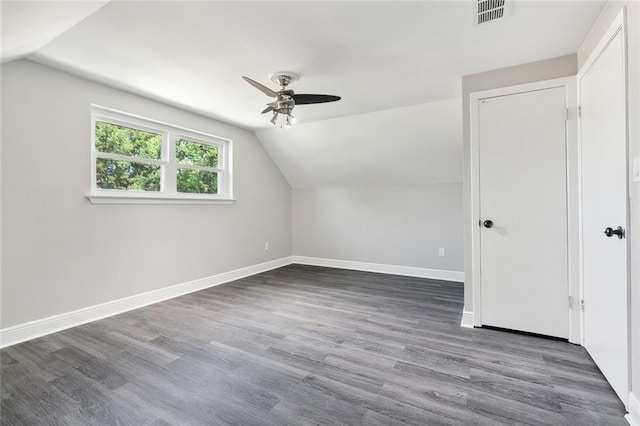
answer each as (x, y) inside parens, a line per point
(633, 80)
(401, 225)
(382, 187)
(62, 253)
(418, 144)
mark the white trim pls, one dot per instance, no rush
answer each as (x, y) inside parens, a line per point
(568, 83)
(616, 26)
(31, 330)
(132, 197)
(467, 319)
(633, 418)
(38, 328)
(409, 271)
(120, 157)
(114, 114)
(573, 211)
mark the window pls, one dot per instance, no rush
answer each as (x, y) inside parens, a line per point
(137, 160)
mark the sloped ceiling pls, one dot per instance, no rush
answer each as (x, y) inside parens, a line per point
(29, 25)
(395, 64)
(418, 144)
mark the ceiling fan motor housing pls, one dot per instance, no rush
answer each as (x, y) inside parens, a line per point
(284, 78)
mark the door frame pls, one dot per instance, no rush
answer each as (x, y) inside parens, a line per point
(573, 259)
(618, 25)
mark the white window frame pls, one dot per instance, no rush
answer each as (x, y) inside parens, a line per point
(170, 133)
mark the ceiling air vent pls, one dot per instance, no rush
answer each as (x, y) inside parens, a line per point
(490, 10)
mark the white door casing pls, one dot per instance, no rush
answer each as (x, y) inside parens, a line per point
(474, 315)
(604, 202)
(523, 190)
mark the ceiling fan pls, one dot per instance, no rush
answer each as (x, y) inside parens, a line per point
(286, 99)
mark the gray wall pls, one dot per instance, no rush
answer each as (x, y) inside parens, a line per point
(536, 71)
(396, 225)
(62, 253)
(633, 74)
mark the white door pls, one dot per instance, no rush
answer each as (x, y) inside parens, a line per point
(604, 205)
(523, 192)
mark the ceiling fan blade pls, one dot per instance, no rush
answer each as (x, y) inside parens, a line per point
(302, 99)
(264, 89)
(267, 109)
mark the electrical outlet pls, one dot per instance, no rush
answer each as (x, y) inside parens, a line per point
(441, 252)
(266, 246)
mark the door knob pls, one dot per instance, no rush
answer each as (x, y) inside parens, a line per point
(487, 223)
(619, 231)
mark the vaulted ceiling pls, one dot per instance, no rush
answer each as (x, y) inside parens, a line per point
(386, 59)
(28, 26)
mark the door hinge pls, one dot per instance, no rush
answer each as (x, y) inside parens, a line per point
(579, 111)
(566, 114)
(582, 304)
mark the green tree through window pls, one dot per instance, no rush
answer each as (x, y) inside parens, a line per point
(196, 154)
(127, 175)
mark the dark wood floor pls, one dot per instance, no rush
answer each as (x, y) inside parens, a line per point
(303, 345)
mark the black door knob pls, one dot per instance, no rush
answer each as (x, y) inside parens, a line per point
(487, 223)
(619, 231)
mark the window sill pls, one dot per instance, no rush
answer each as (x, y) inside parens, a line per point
(137, 198)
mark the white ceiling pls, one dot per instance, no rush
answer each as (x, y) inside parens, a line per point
(29, 25)
(376, 55)
(391, 61)
(417, 144)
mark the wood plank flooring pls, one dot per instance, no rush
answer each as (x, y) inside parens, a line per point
(303, 345)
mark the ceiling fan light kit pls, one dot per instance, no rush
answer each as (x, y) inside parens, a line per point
(286, 99)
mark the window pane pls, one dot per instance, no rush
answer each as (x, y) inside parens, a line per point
(116, 174)
(196, 154)
(126, 141)
(197, 181)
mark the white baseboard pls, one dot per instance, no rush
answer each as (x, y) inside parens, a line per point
(33, 329)
(467, 319)
(633, 418)
(436, 274)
